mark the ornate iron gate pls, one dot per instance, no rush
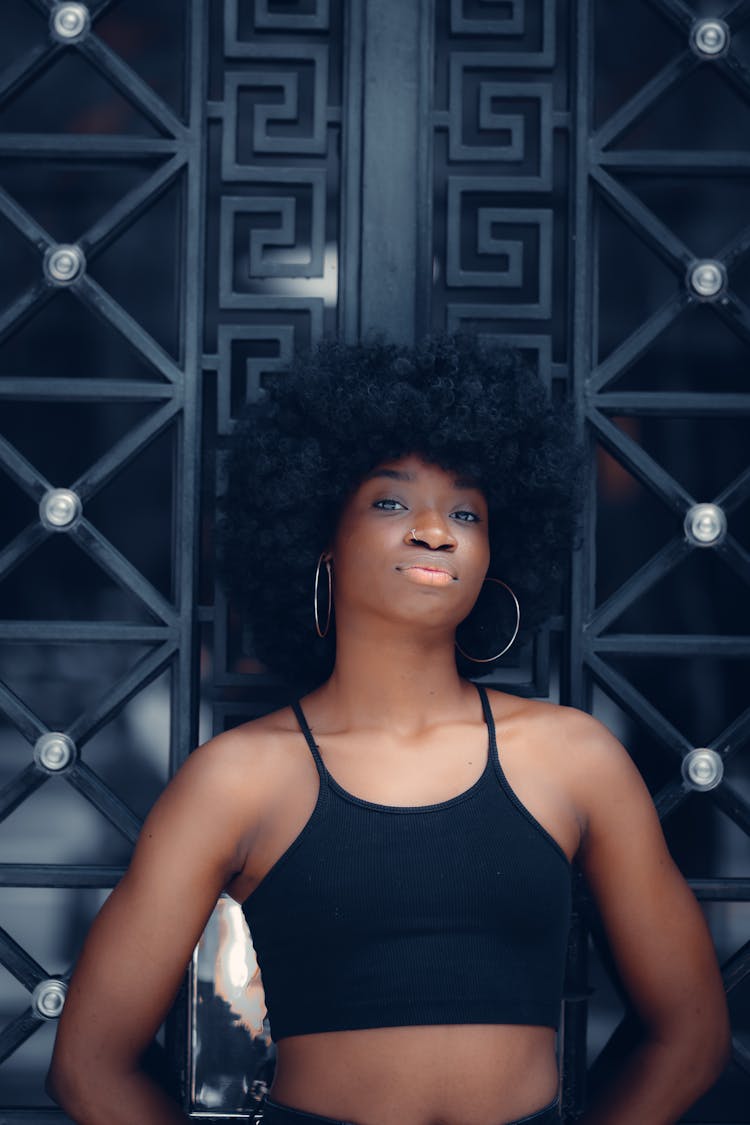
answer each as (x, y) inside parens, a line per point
(191, 191)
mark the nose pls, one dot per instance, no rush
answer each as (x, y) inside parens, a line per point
(432, 531)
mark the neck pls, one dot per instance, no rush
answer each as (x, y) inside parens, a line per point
(392, 678)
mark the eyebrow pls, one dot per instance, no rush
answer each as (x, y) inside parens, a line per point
(399, 474)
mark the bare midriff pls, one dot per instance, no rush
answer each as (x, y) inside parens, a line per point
(456, 1074)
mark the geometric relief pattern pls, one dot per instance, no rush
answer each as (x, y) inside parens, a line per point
(98, 518)
(273, 242)
(635, 198)
(273, 245)
(499, 233)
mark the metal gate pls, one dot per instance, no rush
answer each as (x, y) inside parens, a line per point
(191, 190)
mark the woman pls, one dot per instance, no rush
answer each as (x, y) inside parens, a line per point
(401, 841)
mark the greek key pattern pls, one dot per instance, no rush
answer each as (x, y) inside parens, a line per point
(497, 230)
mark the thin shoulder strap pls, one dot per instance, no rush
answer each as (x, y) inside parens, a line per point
(305, 728)
(489, 719)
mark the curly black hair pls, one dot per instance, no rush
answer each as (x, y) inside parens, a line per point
(341, 410)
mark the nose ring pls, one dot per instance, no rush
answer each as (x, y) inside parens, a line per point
(413, 534)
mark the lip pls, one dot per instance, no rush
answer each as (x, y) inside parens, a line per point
(424, 577)
(428, 571)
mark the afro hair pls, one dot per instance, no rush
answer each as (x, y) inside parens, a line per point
(342, 409)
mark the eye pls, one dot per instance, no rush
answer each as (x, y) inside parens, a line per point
(466, 517)
(388, 504)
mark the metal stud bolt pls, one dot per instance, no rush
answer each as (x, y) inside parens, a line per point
(60, 509)
(48, 998)
(70, 21)
(707, 279)
(705, 525)
(54, 751)
(63, 264)
(702, 769)
(709, 37)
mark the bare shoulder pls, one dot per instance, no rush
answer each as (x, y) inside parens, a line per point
(579, 752)
(250, 760)
(570, 735)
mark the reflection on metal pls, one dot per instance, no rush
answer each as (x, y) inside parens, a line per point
(709, 38)
(63, 264)
(705, 525)
(54, 751)
(70, 22)
(48, 998)
(59, 509)
(232, 1055)
(702, 769)
(707, 279)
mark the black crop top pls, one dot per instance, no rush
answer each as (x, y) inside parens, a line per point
(383, 916)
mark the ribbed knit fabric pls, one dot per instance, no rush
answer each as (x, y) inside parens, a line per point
(385, 916)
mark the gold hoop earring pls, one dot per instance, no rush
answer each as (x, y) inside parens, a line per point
(489, 659)
(323, 632)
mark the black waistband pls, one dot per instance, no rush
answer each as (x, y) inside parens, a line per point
(273, 1113)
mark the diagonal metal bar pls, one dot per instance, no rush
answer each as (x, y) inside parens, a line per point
(644, 222)
(17, 1032)
(736, 493)
(132, 86)
(24, 69)
(120, 454)
(20, 963)
(640, 464)
(737, 14)
(737, 967)
(736, 72)
(670, 797)
(128, 209)
(92, 294)
(15, 791)
(733, 805)
(641, 102)
(44, 7)
(25, 306)
(24, 222)
(740, 1054)
(735, 249)
(637, 706)
(734, 313)
(676, 11)
(736, 557)
(91, 786)
(670, 556)
(21, 471)
(22, 717)
(142, 673)
(58, 875)
(734, 736)
(118, 567)
(21, 547)
(639, 341)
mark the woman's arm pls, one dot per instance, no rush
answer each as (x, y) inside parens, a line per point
(139, 946)
(659, 939)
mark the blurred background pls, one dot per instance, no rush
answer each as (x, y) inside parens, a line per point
(190, 191)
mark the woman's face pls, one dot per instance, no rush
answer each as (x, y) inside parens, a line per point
(411, 545)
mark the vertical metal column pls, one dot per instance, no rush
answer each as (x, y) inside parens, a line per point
(394, 133)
